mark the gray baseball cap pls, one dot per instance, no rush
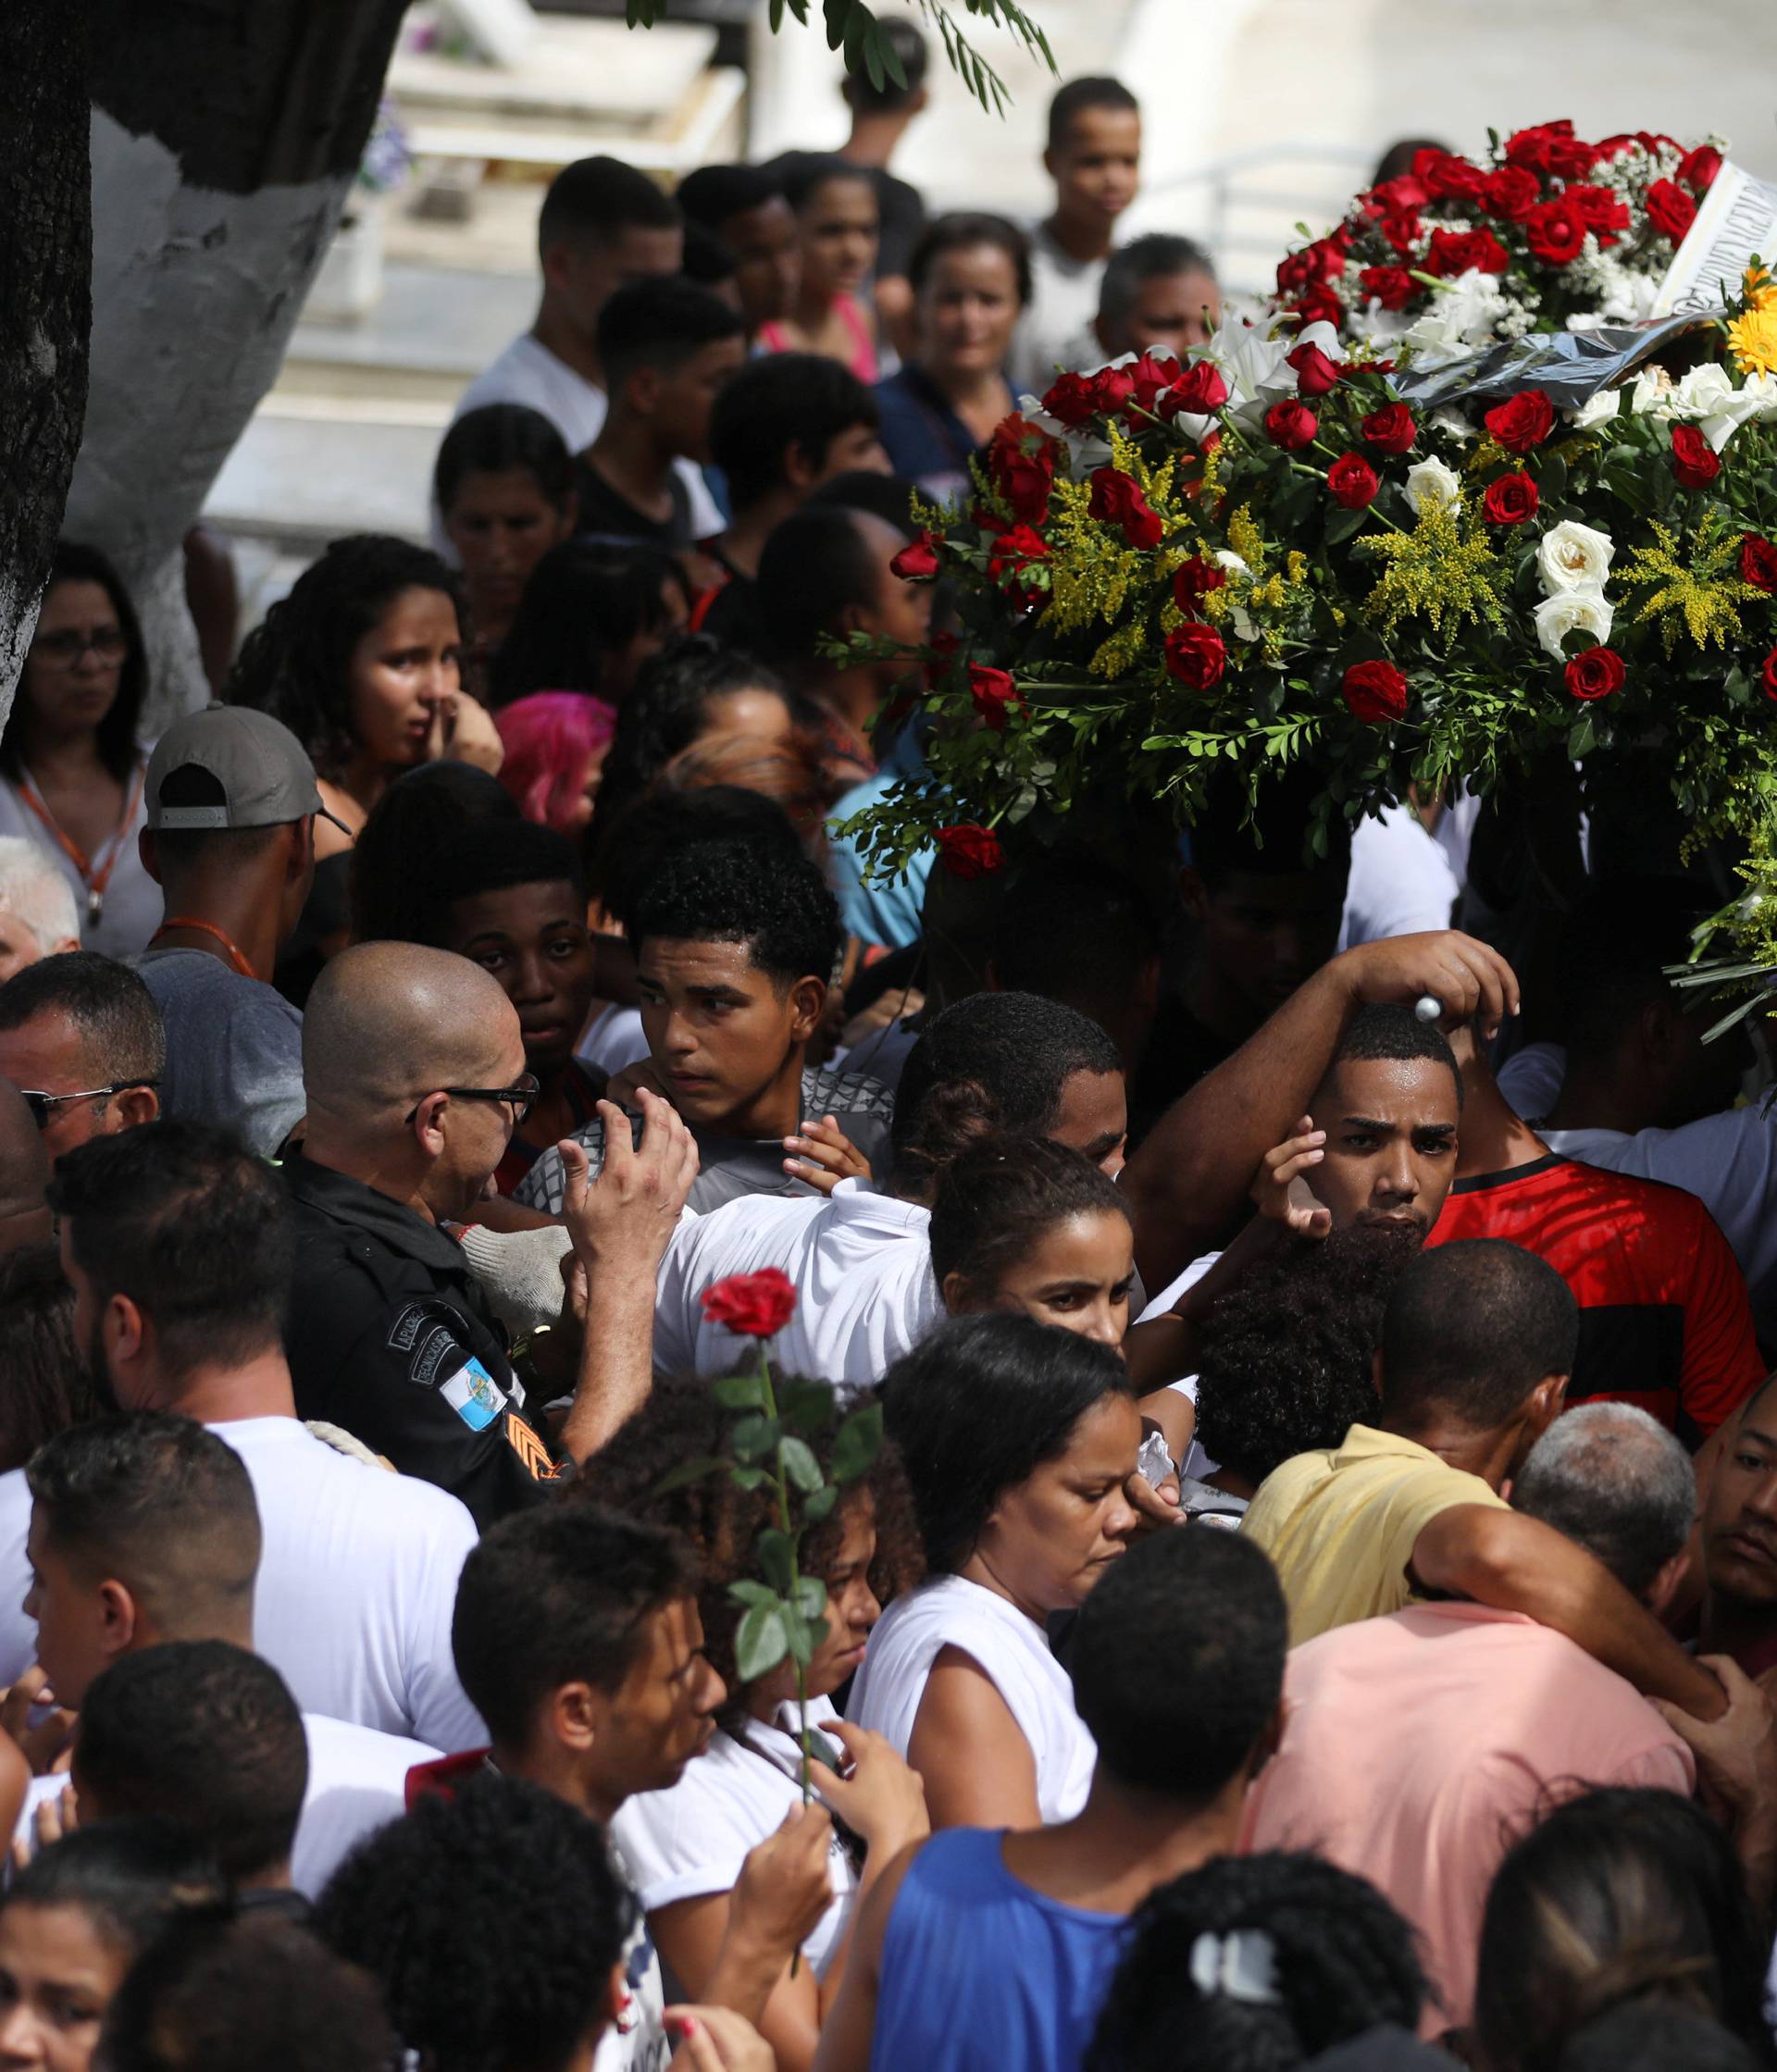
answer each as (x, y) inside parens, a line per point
(266, 777)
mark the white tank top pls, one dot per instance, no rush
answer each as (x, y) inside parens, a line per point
(1011, 1652)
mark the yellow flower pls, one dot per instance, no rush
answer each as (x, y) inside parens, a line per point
(1753, 337)
(1760, 294)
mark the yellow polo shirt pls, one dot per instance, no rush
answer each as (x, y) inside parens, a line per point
(1340, 1527)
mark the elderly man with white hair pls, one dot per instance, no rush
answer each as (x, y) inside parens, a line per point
(1418, 1745)
(37, 913)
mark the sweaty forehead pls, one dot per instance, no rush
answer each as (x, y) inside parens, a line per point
(1092, 1107)
(1414, 1092)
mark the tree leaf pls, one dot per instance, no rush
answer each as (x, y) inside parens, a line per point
(811, 1596)
(756, 1437)
(857, 1443)
(799, 1635)
(741, 1392)
(748, 1479)
(800, 1465)
(777, 1557)
(747, 1593)
(760, 1641)
(807, 1405)
(819, 1504)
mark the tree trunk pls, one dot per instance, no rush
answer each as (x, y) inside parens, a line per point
(225, 138)
(44, 310)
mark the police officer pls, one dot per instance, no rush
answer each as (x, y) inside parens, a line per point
(414, 1072)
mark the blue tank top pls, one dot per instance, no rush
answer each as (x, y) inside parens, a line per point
(980, 1972)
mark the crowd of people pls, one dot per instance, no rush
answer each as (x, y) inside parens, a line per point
(1311, 1599)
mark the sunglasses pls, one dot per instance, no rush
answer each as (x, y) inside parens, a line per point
(521, 1099)
(41, 1105)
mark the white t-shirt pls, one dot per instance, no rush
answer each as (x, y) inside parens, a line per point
(357, 1582)
(1195, 1463)
(1064, 301)
(18, 1634)
(529, 373)
(861, 1264)
(1401, 883)
(1010, 1650)
(612, 1040)
(637, 2041)
(1728, 1161)
(357, 1782)
(690, 1842)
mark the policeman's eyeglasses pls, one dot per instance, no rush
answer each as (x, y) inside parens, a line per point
(42, 1106)
(521, 1099)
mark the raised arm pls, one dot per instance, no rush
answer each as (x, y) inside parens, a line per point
(1192, 1175)
(1514, 1563)
(619, 1226)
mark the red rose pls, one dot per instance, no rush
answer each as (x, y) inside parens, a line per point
(1021, 464)
(1512, 192)
(1594, 673)
(1375, 691)
(1534, 147)
(1671, 209)
(1315, 373)
(1290, 425)
(751, 1305)
(1401, 230)
(1319, 306)
(1199, 390)
(970, 850)
(1194, 655)
(1510, 500)
(1570, 158)
(1010, 555)
(1112, 387)
(1770, 674)
(1694, 461)
(1117, 498)
(1352, 481)
(1398, 197)
(1697, 168)
(1448, 177)
(1599, 210)
(1392, 287)
(918, 562)
(1524, 422)
(1193, 580)
(1390, 429)
(1150, 380)
(1452, 253)
(1072, 399)
(995, 694)
(1555, 231)
(1757, 561)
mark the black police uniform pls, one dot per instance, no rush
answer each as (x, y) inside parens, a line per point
(389, 1337)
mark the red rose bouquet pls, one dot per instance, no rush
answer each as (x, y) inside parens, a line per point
(1546, 232)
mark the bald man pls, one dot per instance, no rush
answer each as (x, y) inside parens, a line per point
(24, 1175)
(414, 1075)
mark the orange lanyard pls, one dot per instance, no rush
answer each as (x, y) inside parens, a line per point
(95, 876)
(231, 949)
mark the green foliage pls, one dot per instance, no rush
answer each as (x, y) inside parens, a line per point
(853, 30)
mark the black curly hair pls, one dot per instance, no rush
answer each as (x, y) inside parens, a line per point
(490, 1920)
(294, 664)
(681, 1420)
(1285, 1363)
(1343, 1962)
(741, 888)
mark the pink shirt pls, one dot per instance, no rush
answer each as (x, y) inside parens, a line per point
(1418, 1747)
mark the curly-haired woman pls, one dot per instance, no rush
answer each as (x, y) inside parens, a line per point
(684, 1847)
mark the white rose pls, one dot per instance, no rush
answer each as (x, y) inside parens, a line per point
(1573, 556)
(1654, 395)
(1573, 611)
(1432, 481)
(1597, 409)
(1233, 562)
